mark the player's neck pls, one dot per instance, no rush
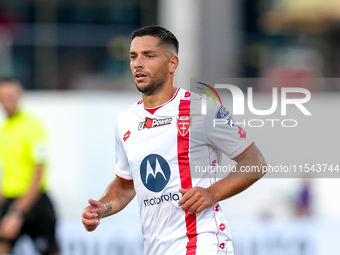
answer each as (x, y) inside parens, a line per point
(160, 97)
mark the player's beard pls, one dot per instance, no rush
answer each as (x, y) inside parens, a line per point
(157, 82)
(152, 88)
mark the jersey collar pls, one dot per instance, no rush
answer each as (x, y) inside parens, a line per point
(154, 109)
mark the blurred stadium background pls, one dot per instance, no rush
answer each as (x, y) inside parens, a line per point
(72, 56)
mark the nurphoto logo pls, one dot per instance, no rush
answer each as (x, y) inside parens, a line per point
(238, 99)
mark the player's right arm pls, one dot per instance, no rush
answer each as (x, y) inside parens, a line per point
(115, 198)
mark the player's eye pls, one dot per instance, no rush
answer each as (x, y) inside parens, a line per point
(150, 56)
(132, 57)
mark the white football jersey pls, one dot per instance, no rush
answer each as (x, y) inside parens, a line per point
(156, 149)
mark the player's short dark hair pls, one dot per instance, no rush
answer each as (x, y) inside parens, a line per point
(162, 33)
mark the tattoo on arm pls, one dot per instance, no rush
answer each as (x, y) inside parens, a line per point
(108, 208)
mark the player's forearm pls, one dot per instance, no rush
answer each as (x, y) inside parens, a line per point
(229, 187)
(117, 196)
(24, 203)
(240, 180)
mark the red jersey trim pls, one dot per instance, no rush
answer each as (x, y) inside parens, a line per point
(185, 176)
(243, 151)
(154, 109)
(124, 178)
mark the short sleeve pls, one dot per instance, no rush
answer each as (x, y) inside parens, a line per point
(222, 133)
(122, 168)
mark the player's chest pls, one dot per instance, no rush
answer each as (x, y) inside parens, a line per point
(152, 151)
(150, 135)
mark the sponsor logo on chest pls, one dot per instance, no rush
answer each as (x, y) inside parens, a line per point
(151, 123)
(155, 172)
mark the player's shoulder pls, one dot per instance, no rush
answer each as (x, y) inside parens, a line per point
(210, 105)
(132, 110)
(187, 94)
(184, 94)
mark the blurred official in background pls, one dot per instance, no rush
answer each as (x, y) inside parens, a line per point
(25, 207)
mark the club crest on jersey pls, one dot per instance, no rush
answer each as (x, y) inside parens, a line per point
(151, 123)
(183, 124)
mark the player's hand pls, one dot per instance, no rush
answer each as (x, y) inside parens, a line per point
(196, 199)
(92, 214)
(10, 225)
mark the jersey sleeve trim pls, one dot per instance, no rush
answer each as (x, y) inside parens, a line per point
(123, 174)
(124, 178)
(243, 151)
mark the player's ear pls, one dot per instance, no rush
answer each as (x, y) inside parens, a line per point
(173, 63)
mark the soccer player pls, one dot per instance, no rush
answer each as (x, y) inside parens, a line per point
(25, 206)
(158, 142)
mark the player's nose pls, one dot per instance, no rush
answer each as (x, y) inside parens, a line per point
(138, 63)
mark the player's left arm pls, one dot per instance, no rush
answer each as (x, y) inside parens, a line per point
(197, 199)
